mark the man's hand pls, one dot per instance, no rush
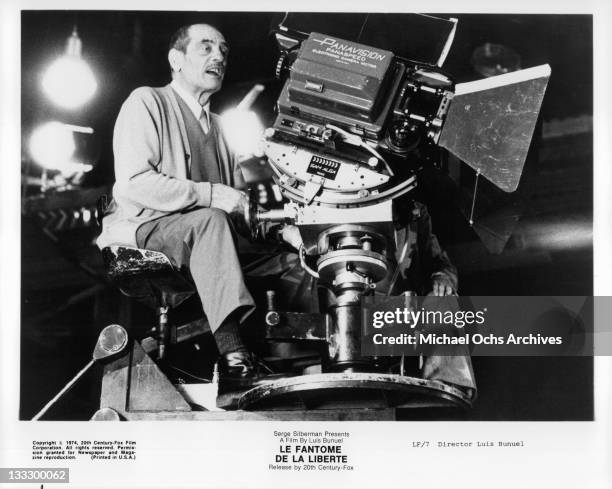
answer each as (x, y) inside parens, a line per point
(290, 234)
(442, 286)
(228, 199)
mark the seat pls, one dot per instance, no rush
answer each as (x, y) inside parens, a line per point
(148, 277)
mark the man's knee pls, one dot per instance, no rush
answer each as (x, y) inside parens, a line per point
(214, 215)
(209, 221)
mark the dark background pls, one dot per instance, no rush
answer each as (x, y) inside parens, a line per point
(547, 224)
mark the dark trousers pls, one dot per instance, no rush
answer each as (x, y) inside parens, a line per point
(203, 242)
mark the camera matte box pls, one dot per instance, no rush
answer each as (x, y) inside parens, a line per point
(340, 76)
(491, 121)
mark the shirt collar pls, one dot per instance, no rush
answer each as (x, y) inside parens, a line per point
(191, 102)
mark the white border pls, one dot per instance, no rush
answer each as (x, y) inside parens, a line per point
(204, 454)
(503, 80)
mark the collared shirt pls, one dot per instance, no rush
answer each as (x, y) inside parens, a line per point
(194, 106)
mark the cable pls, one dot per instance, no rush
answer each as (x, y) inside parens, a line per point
(396, 272)
(62, 392)
(474, 197)
(263, 364)
(363, 27)
(207, 381)
(357, 141)
(302, 255)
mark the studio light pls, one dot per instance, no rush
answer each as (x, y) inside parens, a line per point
(242, 127)
(52, 146)
(243, 130)
(69, 81)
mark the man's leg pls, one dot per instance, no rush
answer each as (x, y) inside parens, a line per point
(451, 364)
(203, 241)
(454, 367)
(296, 289)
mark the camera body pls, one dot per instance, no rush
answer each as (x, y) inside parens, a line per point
(391, 104)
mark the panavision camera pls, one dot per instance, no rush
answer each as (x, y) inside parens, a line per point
(351, 116)
(336, 85)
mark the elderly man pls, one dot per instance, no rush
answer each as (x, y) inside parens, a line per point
(177, 184)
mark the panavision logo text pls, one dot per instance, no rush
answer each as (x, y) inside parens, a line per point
(351, 49)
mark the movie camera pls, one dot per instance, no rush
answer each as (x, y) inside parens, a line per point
(354, 125)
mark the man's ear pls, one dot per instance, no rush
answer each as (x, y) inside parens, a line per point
(175, 58)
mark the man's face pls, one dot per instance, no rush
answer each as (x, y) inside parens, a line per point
(202, 66)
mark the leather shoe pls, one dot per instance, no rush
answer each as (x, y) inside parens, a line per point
(238, 371)
(238, 364)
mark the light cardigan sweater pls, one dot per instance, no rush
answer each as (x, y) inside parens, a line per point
(152, 165)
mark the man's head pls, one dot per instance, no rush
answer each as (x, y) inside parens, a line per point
(198, 58)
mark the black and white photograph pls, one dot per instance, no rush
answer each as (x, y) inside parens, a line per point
(235, 216)
(276, 241)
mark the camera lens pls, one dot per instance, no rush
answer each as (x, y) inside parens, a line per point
(403, 136)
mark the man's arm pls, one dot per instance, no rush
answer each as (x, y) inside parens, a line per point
(138, 160)
(436, 264)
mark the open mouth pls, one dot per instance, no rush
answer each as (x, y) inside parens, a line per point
(216, 71)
